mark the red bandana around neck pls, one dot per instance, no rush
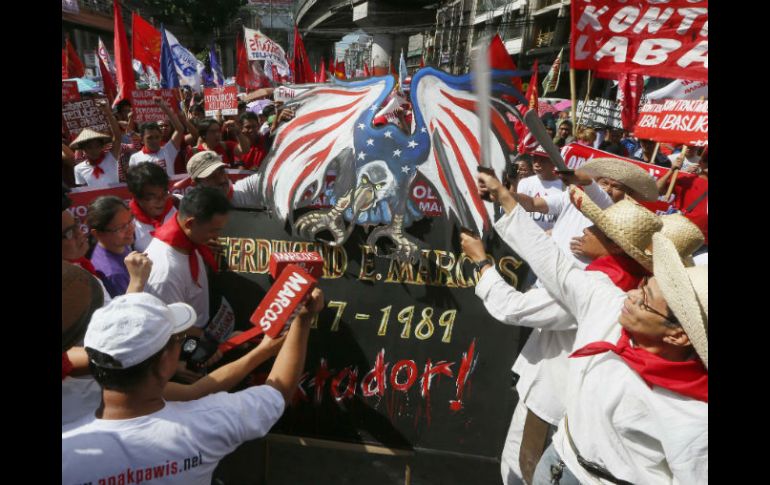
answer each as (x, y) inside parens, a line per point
(146, 151)
(85, 264)
(689, 378)
(172, 234)
(66, 365)
(622, 269)
(142, 216)
(98, 171)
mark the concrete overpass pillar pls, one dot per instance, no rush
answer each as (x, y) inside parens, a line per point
(382, 48)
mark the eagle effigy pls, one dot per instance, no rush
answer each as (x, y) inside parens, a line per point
(376, 165)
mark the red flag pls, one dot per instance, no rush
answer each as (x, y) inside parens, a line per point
(72, 61)
(532, 88)
(303, 73)
(422, 62)
(366, 71)
(64, 63)
(393, 71)
(339, 70)
(145, 42)
(109, 84)
(123, 67)
(322, 75)
(244, 75)
(500, 59)
(630, 88)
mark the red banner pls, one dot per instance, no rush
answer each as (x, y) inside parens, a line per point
(78, 115)
(69, 92)
(576, 155)
(221, 99)
(676, 121)
(668, 39)
(146, 110)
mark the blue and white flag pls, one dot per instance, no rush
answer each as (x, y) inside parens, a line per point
(216, 69)
(168, 77)
(188, 68)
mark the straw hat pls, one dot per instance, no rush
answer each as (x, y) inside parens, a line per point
(685, 235)
(81, 295)
(626, 173)
(627, 223)
(87, 135)
(686, 292)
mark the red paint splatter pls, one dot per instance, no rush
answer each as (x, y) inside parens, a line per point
(411, 375)
(321, 376)
(462, 376)
(376, 374)
(351, 373)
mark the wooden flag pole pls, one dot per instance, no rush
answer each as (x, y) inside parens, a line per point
(655, 153)
(573, 95)
(585, 103)
(672, 182)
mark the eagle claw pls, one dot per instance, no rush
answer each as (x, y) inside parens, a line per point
(314, 222)
(406, 248)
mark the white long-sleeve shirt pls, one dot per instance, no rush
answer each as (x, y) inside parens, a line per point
(640, 434)
(542, 363)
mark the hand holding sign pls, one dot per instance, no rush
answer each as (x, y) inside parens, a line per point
(231, 126)
(473, 247)
(489, 185)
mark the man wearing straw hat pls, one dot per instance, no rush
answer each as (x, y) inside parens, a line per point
(100, 169)
(636, 410)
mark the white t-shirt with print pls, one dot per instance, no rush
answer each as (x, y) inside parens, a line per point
(533, 186)
(171, 281)
(164, 157)
(142, 236)
(79, 396)
(180, 444)
(84, 173)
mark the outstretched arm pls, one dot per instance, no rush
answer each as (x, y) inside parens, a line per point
(225, 377)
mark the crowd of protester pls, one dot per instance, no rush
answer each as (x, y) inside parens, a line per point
(613, 379)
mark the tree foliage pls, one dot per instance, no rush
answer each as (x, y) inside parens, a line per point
(201, 17)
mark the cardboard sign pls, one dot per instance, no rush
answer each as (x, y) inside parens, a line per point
(599, 113)
(221, 99)
(667, 39)
(312, 262)
(287, 293)
(146, 110)
(675, 121)
(79, 115)
(69, 92)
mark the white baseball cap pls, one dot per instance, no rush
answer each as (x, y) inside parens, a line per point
(136, 326)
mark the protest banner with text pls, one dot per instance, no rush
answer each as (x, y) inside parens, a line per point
(79, 115)
(674, 121)
(662, 39)
(144, 107)
(260, 47)
(600, 113)
(221, 99)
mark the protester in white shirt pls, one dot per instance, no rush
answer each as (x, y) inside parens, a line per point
(609, 403)
(690, 156)
(133, 346)
(153, 150)
(207, 169)
(100, 169)
(152, 204)
(180, 251)
(542, 363)
(544, 182)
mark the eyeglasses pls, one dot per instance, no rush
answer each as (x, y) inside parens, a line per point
(121, 228)
(645, 306)
(70, 232)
